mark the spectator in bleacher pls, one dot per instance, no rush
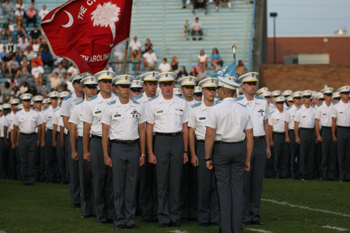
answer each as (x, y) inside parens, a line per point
(7, 8)
(22, 75)
(59, 70)
(20, 5)
(196, 29)
(24, 87)
(65, 63)
(11, 28)
(136, 57)
(65, 82)
(149, 60)
(164, 66)
(135, 45)
(23, 43)
(148, 46)
(42, 89)
(20, 31)
(5, 28)
(199, 4)
(182, 73)
(202, 59)
(15, 92)
(36, 46)
(216, 59)
(43, 12)
(186, 30)
(37, 59)
(3, 52)
(19, 15)
(47, 58)
(72, 70)
(37, 72)
(55, 81)
(217, 2)
(19, 56)
(31, 16)
(6, 93)
(119, 54)
(35, 34)
(13, 81)
(202, 73)
(43, 45)
(5, 60)
(194, 72)
(33, 5)
(13, 66)
(240, 68)
(174, 65)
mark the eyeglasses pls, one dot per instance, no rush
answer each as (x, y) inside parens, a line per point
(167, 83)
(251, 83)
(136, 89)
(106, 81)
(124, 85)
(211, 88)
(90, 86)
(188, 87)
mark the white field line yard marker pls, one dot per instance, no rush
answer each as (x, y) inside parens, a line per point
(177, 231)
(306, 208)
(335, 228)
(258, 230)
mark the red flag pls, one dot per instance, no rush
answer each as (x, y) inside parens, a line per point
(85, 31)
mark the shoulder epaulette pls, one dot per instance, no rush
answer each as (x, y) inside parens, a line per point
(67, 97)
(79, 102)
(289, 107)
(153, 98)
(35, 110)
(112, 102)
(135, 102)
(138, 97)
(180, 96)
(116, 94)
(217, 102)
(46, 109)
(55, 110)
(241, 104)
(298, 108)
(94, 97)
(336, 103)
(260, 97)
(196, 105)
(272, 112)
(319, 105)
(239, 98)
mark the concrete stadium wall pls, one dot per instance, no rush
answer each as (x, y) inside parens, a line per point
(304, 77)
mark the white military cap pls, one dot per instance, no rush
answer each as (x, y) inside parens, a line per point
(208, 82)
(38, 98)
(19, 107)
(46, 101)
(313, 94)
(249, 77)
(105, 74)
(224, 82)
(76, 77)
(177, 91)
(53, 94)
(32, 102)
(149, 76)
(0, 109)
(276, 93)
(64, 94)
(319, 96)
(306, 93)
(232, 78)
(14, 101)
(265, 94)
(327, 90)
(344, 89)
(89, 80)
(123, 79)
(166, 77)
(6, 106)
(280, 99)
(188, 81)
(335, 95)
(26, 96)
(296, 94)
(136, 84)
(261, 90)
(290, 99)
(287, 93)
(197, 89)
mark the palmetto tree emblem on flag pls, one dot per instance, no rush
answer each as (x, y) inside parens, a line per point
(106, 16)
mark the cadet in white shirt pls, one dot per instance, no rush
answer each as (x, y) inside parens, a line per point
(335, 97)
(290, 134)
(231, 156)
(198, 93)
(305, 120)
(148, 193)
(253, 180)
(328, 147)
(278, 139)
(208, 206)
(124, 122)
(5, 143)
(3, 148)
(268, 97)
(101, 173)
(14, 153)
(135, 88)
(341, 132)
(167, 115)
(26, 121)
(46, 139)
(85, 167)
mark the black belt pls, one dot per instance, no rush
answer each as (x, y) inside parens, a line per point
(125, 142)
(278, 133)
(343, 127)
(95, 136)
(221, 142)
(258, 137)
(168, 134)
(326, 127)
(27, 134)
(80, 137)
(307, 128)
(49, 129)
(291, 130)
(201, 141)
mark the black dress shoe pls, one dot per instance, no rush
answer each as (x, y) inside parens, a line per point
(164, 225)
(133, 226)
(257, 223)
(204, 224)
(215, 224)
(110, 220)
(76, 205)
(246, 223)
(120, 226)
(174, 224)
(194, 219)
(86, 216)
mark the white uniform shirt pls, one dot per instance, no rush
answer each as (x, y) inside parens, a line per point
(143, 100)
(27, 122)
(193, 102)
(259, 112)
(68, 104)
(3, 122)
(229, 129)
(76, 115)
(341, 111)
(10, 117)
(272, 107)
(276, 120)
(289, 117)
(93, 112)
(123, 119)
(197, 118)
(323, 113)
(56, 119)
(48, 116)
(167, 115)
(305, 117)
(42, 117)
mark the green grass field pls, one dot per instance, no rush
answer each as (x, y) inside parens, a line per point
(47, 208)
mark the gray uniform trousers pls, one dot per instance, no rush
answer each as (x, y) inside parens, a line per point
(4, 159)
(253, 182)
(281, 155)
(18, 164)
(87, 194)
(169, 153)
(68, 154)
(74, 184)
(125, 160)
(329, 155)
(40, 163)
(343, 136)
(27, 146)
(307, 153)
(208, 202)
(13, 160)
(61, 158)
(270, 163)
(318, 160)
(294, 155)
(50, 157)
(103, 182)
(229, 164)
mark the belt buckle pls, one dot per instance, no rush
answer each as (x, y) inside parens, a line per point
(129, 143)
(256, 137)
(173, 134)
(28, 133)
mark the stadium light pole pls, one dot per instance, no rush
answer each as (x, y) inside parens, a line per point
(274, 15)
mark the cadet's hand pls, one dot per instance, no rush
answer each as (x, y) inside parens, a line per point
(62, 144)
(142, 160)
(54, 143)
(194, 160)
(38, 143)
(42, 144)
(75, 156)
(319, 138)
(247, 166)
(210, 164)
(108, 161)
(185, 158)
(268, 153)
(13, 146)
(272, 144)
(17, 144)
(297, 140)
(316, 141)
(288, 140)
(152, 159)
(87, 156)
(7, 143)
(335, 139)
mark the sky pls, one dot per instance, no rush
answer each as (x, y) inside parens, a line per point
(308, 17)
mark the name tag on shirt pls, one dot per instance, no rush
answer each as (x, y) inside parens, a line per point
(98, 112)
(49, 117)
(202, 118)
(117, 115)
(303, 116)
(21, 119)
(161, 111)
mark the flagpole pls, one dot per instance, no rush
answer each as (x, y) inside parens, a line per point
(234, 50)
(126, 55)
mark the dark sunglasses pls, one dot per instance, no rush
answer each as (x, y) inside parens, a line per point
(124, 85)
(136, 89)
(251, 83)
(167, 83)
(211, 88)
(90, 86)
(188, 87)
(329, 94)
(76, 81)
(106, 80)
(198, 94)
